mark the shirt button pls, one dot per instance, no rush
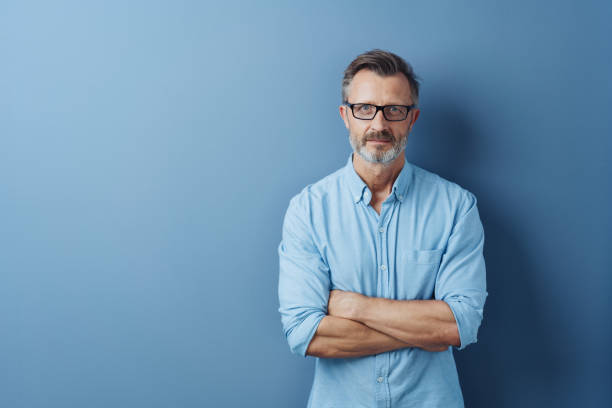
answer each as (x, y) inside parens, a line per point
(381, 230)
(380, 379)
(401, 197)
(383, 267)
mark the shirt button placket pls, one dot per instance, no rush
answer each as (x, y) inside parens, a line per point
(382, 360)
(384, 256)
(381, 389)
(379, 381)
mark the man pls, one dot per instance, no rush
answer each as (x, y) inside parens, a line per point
(381, 264)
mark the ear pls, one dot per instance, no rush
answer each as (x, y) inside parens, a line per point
(415, 116)
(343, 113)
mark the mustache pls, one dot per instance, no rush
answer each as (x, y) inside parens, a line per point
(382, 135)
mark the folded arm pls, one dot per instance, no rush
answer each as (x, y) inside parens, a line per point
(427, 324)
(337, 337)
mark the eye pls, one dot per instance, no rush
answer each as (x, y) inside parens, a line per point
(364, 108)
(396, 110)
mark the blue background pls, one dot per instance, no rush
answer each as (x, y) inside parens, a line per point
(148, 152)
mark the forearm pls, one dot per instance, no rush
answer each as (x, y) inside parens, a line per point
(338, 337)
(428, 324)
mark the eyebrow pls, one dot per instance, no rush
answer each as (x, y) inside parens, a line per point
(372, 103)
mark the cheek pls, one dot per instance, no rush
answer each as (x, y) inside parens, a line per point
(401, 132)
(353, 129)
(358, 129)
(357, 134)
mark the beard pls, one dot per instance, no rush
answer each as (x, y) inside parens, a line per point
(378, 154)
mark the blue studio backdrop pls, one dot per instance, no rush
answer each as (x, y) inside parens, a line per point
(148, 152)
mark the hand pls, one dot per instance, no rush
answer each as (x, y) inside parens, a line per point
(345, 304)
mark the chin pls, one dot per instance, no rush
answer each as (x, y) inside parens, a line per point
(376, 158)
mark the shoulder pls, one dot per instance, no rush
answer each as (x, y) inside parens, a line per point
(316, 193)
(445, 191)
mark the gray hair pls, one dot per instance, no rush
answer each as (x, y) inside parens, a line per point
(384, 63)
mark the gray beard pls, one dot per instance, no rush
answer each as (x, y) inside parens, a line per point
(385, 157)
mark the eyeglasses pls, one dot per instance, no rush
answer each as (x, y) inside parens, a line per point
(367, 111)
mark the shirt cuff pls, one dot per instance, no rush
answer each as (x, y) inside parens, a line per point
(467, 319)
(300, 337)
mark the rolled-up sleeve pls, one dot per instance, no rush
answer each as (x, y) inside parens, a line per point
(461, 280)
(304, 283)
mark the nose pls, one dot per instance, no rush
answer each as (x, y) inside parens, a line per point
(378, 122)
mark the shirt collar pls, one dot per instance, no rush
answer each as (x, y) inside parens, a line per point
(358, 187)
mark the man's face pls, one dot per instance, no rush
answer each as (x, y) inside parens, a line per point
(378, 140)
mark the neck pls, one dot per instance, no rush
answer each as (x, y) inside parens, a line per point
(378, 177)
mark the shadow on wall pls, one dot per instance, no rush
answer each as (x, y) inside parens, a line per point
(514, 340)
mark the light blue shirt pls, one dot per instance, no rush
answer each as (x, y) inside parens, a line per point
(427, 243)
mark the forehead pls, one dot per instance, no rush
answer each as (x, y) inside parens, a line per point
(368, 86)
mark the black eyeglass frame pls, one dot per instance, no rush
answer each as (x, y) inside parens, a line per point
(380, 108)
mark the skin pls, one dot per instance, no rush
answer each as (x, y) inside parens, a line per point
(358, 325)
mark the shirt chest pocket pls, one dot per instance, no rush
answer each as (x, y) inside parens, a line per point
(416, 273)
